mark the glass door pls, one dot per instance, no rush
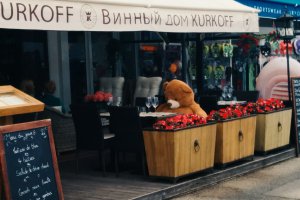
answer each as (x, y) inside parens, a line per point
(77, 60)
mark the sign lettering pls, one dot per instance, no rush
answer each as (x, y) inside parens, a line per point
(296, 109)
(65, 15)
(29, 171)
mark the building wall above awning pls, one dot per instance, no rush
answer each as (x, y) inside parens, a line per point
(286, 1)
(273, 9)
(130, 15)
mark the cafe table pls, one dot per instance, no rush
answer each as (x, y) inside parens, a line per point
(228, 103)
(224, 104)
(148, 118)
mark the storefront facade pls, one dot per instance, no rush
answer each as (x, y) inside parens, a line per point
(77, 54)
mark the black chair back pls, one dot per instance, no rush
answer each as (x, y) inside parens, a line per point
(140, 101)
(250, 96)
(208, 102)
(89, 131)
(126, 125)
(88, 126)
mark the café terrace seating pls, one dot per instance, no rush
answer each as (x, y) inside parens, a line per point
(63, 129)
(90, 133)
(114, 85)
(127, 127)
(208, 102)
(146, 87)
(250, 96)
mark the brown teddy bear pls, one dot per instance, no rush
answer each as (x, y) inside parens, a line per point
(180, 99)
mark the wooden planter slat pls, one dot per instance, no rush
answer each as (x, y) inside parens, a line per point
(172, 153)
(273, 130)
(235, 139)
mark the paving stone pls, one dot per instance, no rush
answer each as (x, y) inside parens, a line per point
(277, 182)
(289, 190)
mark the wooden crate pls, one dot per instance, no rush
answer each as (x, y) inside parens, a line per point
(235, 139)
(176, 153)
(273, 130)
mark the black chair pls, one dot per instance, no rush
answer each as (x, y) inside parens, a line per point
(208, 102)
(250, 96)
(63, 129)
(140, 101)
(22, 118)
(89, 131)
(127, 127)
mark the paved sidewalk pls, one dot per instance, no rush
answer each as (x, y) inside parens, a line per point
(277, 182)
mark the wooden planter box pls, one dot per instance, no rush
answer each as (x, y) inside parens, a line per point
(273, 130)
(235, 139)
(180, 152)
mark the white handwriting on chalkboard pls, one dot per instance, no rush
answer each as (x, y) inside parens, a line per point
(27, 170)
(25, 179)
(45, 166)
(29, 135)
(48, 194)
(17, 150)
(46, 181)
(32, 146)
(33, 177)
(23, 192)
(297, 90)
(44, 132)
(28, 159)
(35, 187)
(12, 138)
(296, 85)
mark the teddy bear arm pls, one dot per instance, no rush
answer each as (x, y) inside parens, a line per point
(162, 108)
(198, 110)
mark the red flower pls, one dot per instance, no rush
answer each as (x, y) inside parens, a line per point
(179, 121)
(265, 105)
(99, 96)
(233, 111)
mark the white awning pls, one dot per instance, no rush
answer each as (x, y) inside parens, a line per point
(129, 15)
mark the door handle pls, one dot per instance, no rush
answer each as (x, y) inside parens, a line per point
(196, 145)
(241, 136)
(279, 126)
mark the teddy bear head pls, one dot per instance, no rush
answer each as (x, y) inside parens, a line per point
(178, 94)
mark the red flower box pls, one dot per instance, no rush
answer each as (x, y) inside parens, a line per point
(265, 105)
(99, 96)
(179, 122)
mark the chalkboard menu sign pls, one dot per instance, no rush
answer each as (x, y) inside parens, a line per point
(296, 109)
(28, 162)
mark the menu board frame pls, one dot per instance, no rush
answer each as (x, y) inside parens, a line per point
(23, 127)
(295, 90)
(15, 101)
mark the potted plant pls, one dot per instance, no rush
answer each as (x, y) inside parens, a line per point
(100, 98)
(235, 134)
(273, 124)
(180, 145)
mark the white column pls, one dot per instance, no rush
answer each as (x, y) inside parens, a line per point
(59, 67)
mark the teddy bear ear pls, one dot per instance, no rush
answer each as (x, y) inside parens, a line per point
(165, 85)
(186, 89)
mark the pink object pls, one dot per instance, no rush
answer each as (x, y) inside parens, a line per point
(272, 79)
